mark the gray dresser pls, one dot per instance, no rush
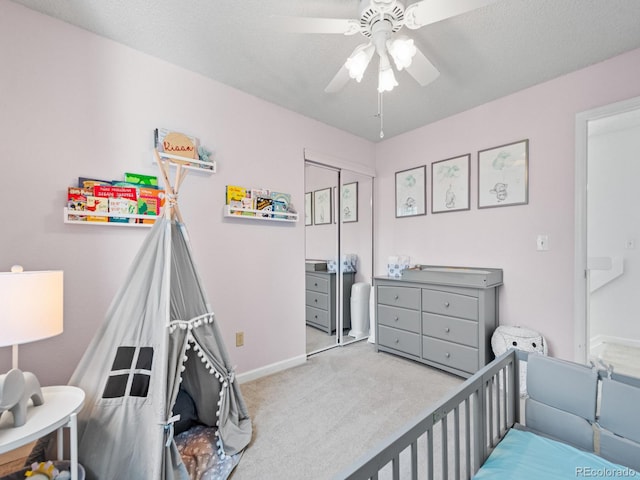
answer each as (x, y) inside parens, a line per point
(440, 316)
(321, 300)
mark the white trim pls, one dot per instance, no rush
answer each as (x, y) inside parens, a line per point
(596, 344)
(322, 158)
(580, 285)
(270, 369)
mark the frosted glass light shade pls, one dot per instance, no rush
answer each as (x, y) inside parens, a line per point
(358, 62)
(31, 306)
(402, 49)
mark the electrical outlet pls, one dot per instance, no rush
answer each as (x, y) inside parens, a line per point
(239, 339)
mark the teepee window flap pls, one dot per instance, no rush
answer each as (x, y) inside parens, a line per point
(125, 379)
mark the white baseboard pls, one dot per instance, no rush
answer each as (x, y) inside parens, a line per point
(597, 343)
(270, 369)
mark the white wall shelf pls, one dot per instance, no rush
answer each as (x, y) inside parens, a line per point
(232, 212)
(198, 166)
(85, 213)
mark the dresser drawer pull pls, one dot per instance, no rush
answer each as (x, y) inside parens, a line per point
(315, 300)
(396, 297)
(446, 304)
(315, 284)
(447, 354)
(315, 316)
(447, 330)
(396, 319)
(397, 340)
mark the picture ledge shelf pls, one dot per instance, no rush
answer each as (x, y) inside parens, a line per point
(189, 164)
(86, 213)
(288, 217)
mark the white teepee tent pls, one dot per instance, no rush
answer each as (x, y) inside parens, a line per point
(160, 335)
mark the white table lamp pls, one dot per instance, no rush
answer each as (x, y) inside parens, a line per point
(31, 307)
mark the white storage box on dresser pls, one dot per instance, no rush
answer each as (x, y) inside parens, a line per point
(440, 316)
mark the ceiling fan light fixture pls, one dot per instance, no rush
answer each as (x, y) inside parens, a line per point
(386, 78)
(358, 61)
(402, 49)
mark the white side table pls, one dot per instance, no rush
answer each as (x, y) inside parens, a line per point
(59, 410)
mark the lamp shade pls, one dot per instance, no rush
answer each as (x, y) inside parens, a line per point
(31, 306)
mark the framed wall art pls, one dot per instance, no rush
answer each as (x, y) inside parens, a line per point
(350, 202)
(450, 182)
(411, 194)
(322, 206)
(308, 209)
(503, 175)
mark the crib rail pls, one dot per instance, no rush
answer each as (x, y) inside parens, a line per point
(452, 440)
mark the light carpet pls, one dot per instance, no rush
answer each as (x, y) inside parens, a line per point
(312, 421)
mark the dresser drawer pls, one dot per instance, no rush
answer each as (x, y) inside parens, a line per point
(400, 340)
(450, 354)
(452, 304)
(317, 317)
(317, 284)
(399, 318)
(450, 329)
(318, 300)
(406, 297)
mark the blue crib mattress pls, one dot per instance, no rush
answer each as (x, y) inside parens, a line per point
(527, 456)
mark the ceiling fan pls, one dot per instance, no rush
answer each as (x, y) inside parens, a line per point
(379, 21)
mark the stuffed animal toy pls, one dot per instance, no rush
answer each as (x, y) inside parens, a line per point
(42, 471)
(505, 337)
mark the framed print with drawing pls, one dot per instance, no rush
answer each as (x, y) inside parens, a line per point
(349, 203)
(322, 206)
(308, 209)
(411, 195)
(503, 175)
(450, 183)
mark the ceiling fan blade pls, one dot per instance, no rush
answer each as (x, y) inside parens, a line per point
(344, 26)
(422, 69)
(339, 81)
(425, 12)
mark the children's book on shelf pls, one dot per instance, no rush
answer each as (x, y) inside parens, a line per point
(150, 202)
(238, 197)
(77, 200)
(281, 203)
(97, 204)
(141, 180)
(124, 206)
(87, 182)
(264, 204)
(113, 192)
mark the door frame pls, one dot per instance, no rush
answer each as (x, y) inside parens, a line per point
(581, 284)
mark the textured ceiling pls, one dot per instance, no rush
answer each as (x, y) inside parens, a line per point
(482, 55)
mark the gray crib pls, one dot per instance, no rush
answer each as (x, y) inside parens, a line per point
(586, 417)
